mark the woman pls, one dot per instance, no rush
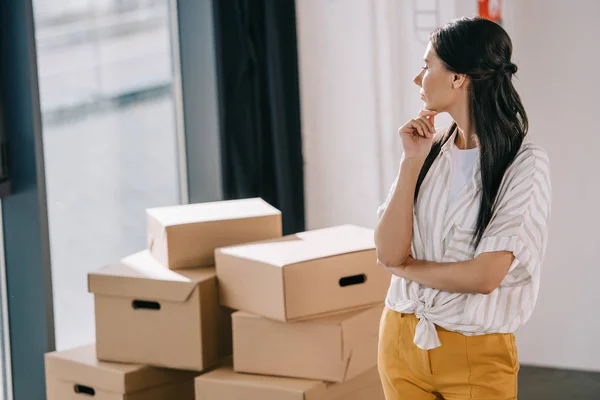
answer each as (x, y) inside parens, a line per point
(464, 228)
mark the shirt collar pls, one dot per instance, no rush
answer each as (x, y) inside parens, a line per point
(447, 147)
(450, 142)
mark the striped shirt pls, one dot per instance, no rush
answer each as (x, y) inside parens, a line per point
(442, 232)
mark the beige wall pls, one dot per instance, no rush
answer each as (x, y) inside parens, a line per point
(357, 59)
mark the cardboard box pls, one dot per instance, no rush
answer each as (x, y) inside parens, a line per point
(335, 348)
(304, 275)
(186, 236)
(77, 375)
(224, 383)
(148, 314)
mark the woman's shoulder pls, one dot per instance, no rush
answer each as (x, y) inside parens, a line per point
(531, 163)
(530, 154)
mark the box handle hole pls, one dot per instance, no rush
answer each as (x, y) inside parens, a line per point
(353, 280)
(84, 390)
(145, 305)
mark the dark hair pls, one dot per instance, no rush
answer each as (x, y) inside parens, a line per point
(481, 49)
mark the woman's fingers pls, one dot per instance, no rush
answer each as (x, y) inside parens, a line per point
(430, 126)
(414, 127)
(428, 118)
(422, 127)
(431, 119)
(427, 113)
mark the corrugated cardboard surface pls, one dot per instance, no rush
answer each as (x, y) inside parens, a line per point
(68, 370)
(336, 266)
(224, 384)
(366, 386)
(186, 236)
(335, 348)
(307, 246)
(57, 390)
(189, 331)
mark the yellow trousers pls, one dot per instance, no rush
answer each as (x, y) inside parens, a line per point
(464, 367)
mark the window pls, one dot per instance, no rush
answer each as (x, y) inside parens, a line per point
(110, 142)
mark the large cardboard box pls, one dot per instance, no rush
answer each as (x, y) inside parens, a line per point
(335, 348)
(151, 315)
(77, 375)
(224, 383)
(303, 275)
(186, 236)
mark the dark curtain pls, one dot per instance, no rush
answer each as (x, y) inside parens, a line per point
(257, 67)
(5, 186)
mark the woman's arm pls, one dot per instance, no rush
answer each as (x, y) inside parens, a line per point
(394, 232)
(480, 275)
(514, 242)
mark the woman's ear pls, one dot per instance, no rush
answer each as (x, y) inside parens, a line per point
(458, 81)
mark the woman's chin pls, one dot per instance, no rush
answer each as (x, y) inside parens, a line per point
(430, 107)
(427, 105)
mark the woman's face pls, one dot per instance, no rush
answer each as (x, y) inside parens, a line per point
(436, 83)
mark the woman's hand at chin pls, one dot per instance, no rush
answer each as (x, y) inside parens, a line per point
(417, 135)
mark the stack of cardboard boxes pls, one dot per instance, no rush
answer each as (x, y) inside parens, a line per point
(305, 326)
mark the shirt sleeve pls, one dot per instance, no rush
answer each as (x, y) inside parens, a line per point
(520, 221)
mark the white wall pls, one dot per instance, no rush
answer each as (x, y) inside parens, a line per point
(556, 50)
(357, 60)
(339, 112)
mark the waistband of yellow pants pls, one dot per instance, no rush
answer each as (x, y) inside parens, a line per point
(414, 320)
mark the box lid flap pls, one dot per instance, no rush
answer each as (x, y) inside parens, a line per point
(212, 211)
(306, 246)
(79, 366)
(142, 277)
(227, 376)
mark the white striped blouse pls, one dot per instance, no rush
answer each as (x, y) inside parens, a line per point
(442, 232)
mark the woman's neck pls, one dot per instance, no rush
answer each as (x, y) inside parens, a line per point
(466, 138)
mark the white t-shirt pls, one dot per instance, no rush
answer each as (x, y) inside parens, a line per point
(462, 169)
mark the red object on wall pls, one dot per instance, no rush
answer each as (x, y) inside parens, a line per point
(490, 9)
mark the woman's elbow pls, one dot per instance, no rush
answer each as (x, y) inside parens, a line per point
(488, 285)
(389, 260)
(389, 253)
(485, 290)
(492, 269)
